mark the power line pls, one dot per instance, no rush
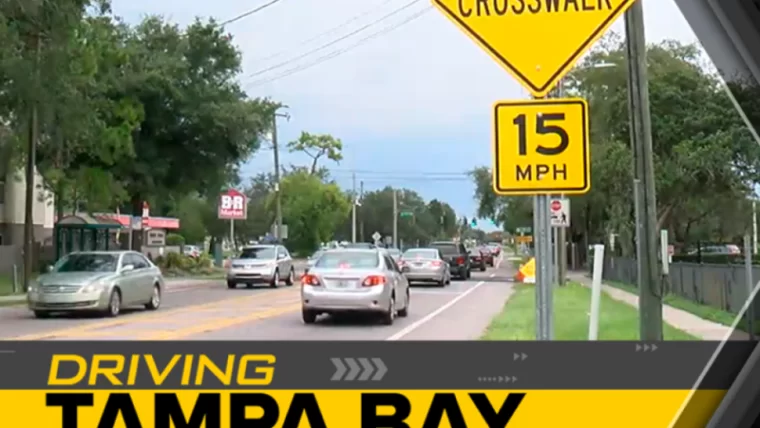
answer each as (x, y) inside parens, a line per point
(249, 13)
(337, 53)
(333, 42)
(330, 31)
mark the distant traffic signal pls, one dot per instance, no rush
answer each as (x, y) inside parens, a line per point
(474, 223)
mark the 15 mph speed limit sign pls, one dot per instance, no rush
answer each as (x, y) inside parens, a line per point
(541, 147)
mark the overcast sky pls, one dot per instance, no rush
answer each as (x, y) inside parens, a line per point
(410, 105)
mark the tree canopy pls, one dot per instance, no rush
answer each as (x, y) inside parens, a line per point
(706, 161)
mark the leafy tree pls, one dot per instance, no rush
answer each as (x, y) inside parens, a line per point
(706, 163)
(312, 209)
(318, 146)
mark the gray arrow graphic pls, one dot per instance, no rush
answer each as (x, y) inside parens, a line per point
(354, 369)
(368, 369)
(646, 347)
(516, 357)
(654, 347)
(638, 347)
(524, 356)
(501, 379)
(381, 369)
(340, 369)
(507, 379)
(514, 379)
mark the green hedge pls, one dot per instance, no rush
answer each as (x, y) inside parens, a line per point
(715, 259)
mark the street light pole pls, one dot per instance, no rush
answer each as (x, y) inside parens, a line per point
(277, 189)
(395, 218)
(650, 284)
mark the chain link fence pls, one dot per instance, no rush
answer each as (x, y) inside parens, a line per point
(722, 287)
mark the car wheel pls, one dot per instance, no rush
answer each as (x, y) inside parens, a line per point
(248, 285)
(114, 304)
(442, 282)
(309, 317)
(468, 275)
(291, 278)
(390, 315)
(275, 279)
(405, 312)
(448, 280)
(482, 268)
(41, 314)
(231, 284)
(155, 299)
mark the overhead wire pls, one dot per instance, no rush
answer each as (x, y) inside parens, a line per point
(337, 53)
(326, 32)
(248, 13)
(334, 41)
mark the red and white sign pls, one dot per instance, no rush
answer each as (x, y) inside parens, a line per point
(233, 205)
(560, 212)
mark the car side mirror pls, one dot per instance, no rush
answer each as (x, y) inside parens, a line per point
(127, 268)
(50, 268)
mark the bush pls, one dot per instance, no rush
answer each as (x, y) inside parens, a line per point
(175, 239)
(177, 264)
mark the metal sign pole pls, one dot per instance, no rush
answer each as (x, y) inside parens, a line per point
(542, 221)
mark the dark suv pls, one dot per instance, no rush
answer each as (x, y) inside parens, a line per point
(458, 257)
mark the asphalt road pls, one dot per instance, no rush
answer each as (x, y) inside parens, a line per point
(207, 310)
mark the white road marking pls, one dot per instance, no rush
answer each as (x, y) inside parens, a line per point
(436, 292)
(420, 322)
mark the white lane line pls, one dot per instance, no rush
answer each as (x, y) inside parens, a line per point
(434, 292)
(422, 321)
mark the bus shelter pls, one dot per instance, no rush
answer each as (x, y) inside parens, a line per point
(83, 232)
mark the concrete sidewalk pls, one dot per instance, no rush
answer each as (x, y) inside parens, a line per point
(680, 319)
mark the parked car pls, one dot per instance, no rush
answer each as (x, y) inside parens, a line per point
(191, 251)
(457, 256)
(100, 281)
(425, 265)
(495, 248)
(354, 280)
(262, 264)
(477, 260)
(359, 245)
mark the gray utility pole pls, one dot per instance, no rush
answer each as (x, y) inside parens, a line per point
(277, 189)
(31, 162)
(361, 213)
(543, 255)
(395, 219)
(353, 208)
(650, 281)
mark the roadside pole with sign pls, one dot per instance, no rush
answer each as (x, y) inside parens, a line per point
(233, 205)
(541, 146)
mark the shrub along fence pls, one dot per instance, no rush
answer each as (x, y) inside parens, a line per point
(719, 285)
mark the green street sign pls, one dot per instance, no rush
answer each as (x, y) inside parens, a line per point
(524, 229)
(406, 214)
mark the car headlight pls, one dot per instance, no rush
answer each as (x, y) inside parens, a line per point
(91, 288)
(33, 287)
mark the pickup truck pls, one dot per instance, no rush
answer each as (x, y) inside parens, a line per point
(457, 256)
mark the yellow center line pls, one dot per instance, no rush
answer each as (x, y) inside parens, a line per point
(133, 318)
(218, 324)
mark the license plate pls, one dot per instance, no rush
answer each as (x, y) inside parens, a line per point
(418, 264)
(342, 284)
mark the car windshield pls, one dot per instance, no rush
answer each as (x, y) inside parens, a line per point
(316, 255)
(421, 254)
(264, 253)
(447, 248)
(87, 263)
(348, 260)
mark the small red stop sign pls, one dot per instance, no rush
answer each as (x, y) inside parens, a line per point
(556, 205)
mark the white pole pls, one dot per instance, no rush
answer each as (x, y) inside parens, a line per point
(754, 227)
(596, 292)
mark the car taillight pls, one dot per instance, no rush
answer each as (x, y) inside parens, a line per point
(435, 263)
(309, 279)
(460, 260)
(373, 280)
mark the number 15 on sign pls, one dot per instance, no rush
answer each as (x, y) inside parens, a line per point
(541, 147)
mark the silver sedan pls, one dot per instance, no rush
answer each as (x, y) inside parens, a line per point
(425, 265)
(262, 264)
(354, 280)
(100, 281)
